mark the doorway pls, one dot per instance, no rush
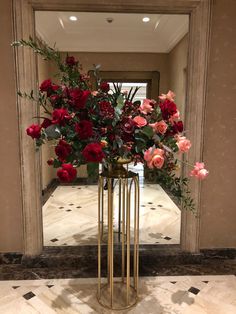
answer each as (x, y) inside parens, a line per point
(199, 12)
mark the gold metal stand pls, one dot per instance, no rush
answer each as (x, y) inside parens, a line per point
(119, 294)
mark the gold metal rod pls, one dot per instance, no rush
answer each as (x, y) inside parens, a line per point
(137, 230)
(119, 213)
(123, 230)
(102, 231)
(128, 245)
(100, 187)
(135, 236)
(110, 244)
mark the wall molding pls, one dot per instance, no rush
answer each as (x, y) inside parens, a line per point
(24, 25)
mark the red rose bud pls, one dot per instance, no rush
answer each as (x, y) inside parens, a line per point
(84, 129)
(67, 173)
(78, 97)
(70, 61)
(93, 152)
(46, 86)
(50, 161)
(168, 109)
(63, 150)
(60, 116)
(105, 87)
(34, 131)
(46, 123)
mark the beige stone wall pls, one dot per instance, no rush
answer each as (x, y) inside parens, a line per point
(127, 62)
(177, 62)
(11, 227)
(218, 215)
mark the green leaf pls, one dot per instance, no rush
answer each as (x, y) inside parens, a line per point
(92, 169)
(120, 101)
(148, 131)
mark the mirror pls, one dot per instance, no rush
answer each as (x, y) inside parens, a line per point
(145, 50)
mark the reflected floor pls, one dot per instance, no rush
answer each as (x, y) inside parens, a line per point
(158, 295)
(70, 216)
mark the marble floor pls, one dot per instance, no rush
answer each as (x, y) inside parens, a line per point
(70, 216)
(158, 295)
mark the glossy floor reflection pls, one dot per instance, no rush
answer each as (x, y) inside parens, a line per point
(70, 216)
(158, 295)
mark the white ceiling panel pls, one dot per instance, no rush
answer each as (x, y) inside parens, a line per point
(126, 33)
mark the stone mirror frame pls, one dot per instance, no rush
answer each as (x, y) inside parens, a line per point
(26, 78)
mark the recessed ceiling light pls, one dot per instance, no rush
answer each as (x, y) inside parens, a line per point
(146, 19)
(73, 18)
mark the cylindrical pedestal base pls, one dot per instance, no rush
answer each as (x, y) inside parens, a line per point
(123, 294)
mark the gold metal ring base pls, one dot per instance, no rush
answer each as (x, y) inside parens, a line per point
(119, 298)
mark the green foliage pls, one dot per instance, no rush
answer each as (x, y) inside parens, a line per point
(177, 186)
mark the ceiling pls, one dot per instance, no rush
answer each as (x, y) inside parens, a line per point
(126, 33)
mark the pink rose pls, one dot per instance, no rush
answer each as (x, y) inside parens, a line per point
(148, 154)
(199, 171)
(169, 96)
(140, 121)
(154, 157)
(94, 93)
(174, 117)
(146, 106)
(183, 144)
(159, 127)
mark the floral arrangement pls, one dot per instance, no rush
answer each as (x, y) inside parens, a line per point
(91, 126)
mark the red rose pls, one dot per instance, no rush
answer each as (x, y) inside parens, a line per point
(55, 99)
(34, 131)
(84, 129)
(46, 85)
(78, 97)
(106, 110)
(50, 161)
(46, 123)
(93, 153)
(168, 109)
(60, 116)
(177, 127)
(105, 87)
(63, 150)
(71, 61)
(67, 173)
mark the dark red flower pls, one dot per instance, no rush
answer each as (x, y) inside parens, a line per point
(67, 173)
(84, 129)
(50, 161)
(168, 108)
(60, 116)
(105, 87)
(106, 110)
(128, 125)
(46, 123)
(55, 99)
(34, 131)
(46, 85)
(177, 127)
(93, 153)
(78, 97)
(63, 150)
(71, 61)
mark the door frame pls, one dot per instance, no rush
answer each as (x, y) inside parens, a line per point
(25, 65)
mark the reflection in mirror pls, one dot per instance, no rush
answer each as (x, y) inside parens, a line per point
(151, 55)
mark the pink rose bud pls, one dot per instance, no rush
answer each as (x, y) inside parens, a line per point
(169, 96)
(146, 106)
(199, 171)
(183, 144)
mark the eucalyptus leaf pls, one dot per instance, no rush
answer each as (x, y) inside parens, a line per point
(148, 131)
(120, 101)
(52, 132)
